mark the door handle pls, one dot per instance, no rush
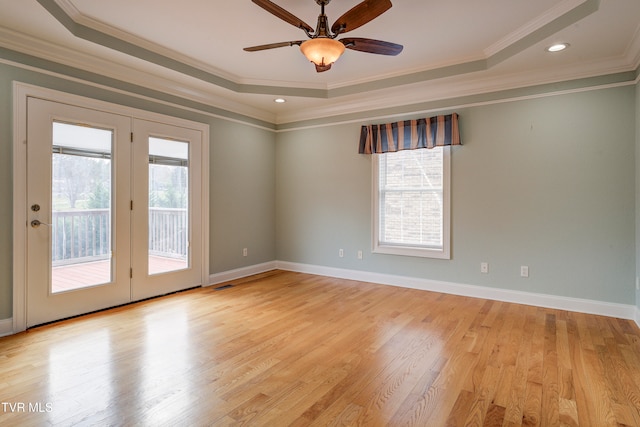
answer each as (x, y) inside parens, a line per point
(36, 223)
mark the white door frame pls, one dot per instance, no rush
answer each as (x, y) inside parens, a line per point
(22, 91)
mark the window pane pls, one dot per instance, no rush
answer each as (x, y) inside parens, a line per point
(81, 207)
(168, 205)
(411, 198)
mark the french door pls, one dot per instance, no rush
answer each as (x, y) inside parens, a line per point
(166, 205)
(113, 210)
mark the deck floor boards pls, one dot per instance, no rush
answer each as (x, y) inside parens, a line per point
(80, 275)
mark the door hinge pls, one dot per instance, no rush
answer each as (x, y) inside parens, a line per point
(131, 136)
(131, 205)
(131, 273)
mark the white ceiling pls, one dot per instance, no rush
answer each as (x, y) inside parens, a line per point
(451, 48)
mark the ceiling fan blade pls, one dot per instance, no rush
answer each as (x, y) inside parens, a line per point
(272, 46)
(360, 14)
(372, 46)
(283, 14)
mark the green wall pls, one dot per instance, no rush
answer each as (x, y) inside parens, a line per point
(6, 192)
(242, 174)
(242, 197)
(546, 182)
(637, 231)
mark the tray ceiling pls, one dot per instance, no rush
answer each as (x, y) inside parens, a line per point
(193, 49)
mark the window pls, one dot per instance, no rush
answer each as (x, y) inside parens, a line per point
(411, 203)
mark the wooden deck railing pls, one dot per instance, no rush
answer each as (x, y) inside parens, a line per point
(84, 235)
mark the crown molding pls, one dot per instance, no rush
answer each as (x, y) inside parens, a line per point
(455, 87)
(566, 13)
(633, 50)
(412, 87)
(70, 9)
(402, 95)
(559, 10)
(177, 87)
(143, 43)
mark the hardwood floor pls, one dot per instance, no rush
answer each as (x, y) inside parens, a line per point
(287, 348)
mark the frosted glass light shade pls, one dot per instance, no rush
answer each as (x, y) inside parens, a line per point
(322, 50)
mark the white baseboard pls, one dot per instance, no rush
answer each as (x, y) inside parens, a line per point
(622, 311)
(239, 273)
(6, 327)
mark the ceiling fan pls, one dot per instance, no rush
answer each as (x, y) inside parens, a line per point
(322, 49)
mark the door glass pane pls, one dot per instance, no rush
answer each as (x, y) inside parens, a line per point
(168, 205)
(80, 207)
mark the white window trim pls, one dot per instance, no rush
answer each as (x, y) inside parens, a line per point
(445, 252)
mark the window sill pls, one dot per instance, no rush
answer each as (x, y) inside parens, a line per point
(412, 251)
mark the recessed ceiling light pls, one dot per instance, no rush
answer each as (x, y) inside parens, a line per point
(280, 100)
(557, 47)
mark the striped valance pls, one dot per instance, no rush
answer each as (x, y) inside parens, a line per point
(410, 134)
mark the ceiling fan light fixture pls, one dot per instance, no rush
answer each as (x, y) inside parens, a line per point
(322, 51)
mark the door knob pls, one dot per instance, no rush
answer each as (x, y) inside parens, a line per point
(36, 223)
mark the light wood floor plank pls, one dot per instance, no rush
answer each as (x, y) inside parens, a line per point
(550, 393)
(283, 348)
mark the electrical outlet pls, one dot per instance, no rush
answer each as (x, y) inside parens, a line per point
(245, 252)
(359, 254)
(484, 267)
(341, 253)
(524, 271)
